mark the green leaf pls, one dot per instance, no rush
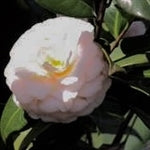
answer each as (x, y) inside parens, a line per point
(74, 8)
(146, 73)
(117, 54)
(139, 8)
(35, 131)
(106, 122)
(133, 143)
(148, 55)
(12, 119)
(143, 116)
(109, 115)
(133, 60)
(114, 20)
(128, 96)
(142, 85)
(20, 138)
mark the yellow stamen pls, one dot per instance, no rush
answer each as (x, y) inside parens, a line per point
(64, 72)
(54, 62)
(56, 69)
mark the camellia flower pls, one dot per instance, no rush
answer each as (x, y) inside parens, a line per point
(56, 71)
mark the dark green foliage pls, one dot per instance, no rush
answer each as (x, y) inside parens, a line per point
(128, 96)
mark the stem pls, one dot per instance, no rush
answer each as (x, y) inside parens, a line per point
(100, 7)
(122, 128)
(34, 133)
(89, 137)
(100, 12)
(133, 122)
(116, 42)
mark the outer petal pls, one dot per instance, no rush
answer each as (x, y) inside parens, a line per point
(56, 72)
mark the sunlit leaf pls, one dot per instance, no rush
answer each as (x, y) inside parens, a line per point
(12, 119)
(139, 8)
(35, 131)
(117, 54)
(135, 144)
(148, 55)
(20, 138)
(135, 133)
(142, 85)
(110, 123)
(114, 21)
(107, 123)
(141, 89)
(143, 116)
(147, 73)
(133, 60)
(75, 8)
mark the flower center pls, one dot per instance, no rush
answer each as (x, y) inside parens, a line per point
(57, 68)
(54, 62)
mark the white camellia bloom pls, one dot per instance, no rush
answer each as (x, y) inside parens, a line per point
(56, 71)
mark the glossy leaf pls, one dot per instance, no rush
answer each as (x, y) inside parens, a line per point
(109, 115)
(74, 8)
(133, 143)
(138, 103)
(12, 119)
(147, 73)
(117, 54)
(109, 124)
(127, 96)
(136, 79)
(139, 8)
(143, 116)
(114, 21)
(148, 55)
(133, 98)
(133, 60)
(20, 138)
(142, 85)
(35, 131)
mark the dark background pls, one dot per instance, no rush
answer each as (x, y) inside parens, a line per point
(14, 21)
(16, 17)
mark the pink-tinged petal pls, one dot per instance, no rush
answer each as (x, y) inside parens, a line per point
(90, 57)
(91, 87)
(79, 104)
(57, 72)
(49, 105)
